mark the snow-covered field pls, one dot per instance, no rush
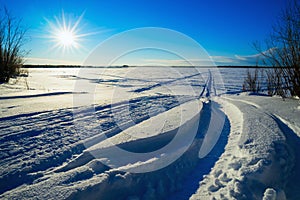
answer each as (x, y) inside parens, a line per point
(146, 133)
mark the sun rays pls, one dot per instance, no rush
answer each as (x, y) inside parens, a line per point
(66, 33)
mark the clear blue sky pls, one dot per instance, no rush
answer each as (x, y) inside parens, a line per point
(225, 28)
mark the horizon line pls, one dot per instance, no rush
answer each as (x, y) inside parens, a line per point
(127, 66)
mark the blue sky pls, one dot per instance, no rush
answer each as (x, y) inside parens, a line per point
(225, 29)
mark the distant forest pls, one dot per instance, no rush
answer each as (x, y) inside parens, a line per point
(125, 66)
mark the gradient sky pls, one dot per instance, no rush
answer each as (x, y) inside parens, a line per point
(225, 28)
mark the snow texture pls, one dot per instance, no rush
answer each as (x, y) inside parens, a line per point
(230, 145)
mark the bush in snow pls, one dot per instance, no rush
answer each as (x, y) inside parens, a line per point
(283, 53)
(252, 82)
(11, 41)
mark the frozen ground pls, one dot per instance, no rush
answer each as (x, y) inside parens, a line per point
(146, 133)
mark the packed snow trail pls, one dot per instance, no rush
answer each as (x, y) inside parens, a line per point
(258, 160)
(292, 188)
(190, 183)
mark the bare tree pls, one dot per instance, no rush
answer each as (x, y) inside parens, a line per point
(12, 37)
(283, 53)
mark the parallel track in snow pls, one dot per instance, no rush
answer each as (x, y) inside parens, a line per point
(39, 141)
(34, 144)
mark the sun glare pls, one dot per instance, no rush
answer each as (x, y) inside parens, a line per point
(66, 38)
(64, 33)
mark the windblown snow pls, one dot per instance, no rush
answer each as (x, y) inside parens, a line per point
(146, 133)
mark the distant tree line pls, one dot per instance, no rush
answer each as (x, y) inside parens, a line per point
(51, 66)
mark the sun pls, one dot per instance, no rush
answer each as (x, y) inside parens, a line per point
(65, 32)
(66, 38)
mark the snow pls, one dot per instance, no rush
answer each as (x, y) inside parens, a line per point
(146, 133)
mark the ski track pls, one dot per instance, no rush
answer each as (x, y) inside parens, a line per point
(164, 83)
(35, 95)
(34, 143)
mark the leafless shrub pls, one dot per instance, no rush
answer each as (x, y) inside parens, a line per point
(275, 82)
(283, 53)
(12, 37)
(253, 81)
